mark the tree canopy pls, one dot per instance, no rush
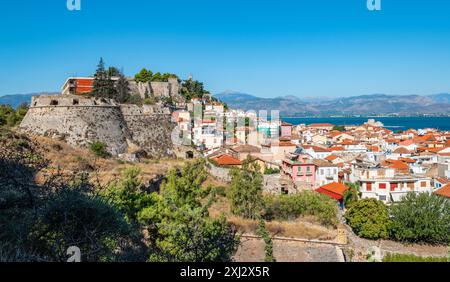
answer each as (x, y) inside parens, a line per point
(421, 218)
(369, 218)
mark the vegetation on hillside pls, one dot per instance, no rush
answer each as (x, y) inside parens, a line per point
(246, 190)
(10, 117)
(39, 222)
(418, 218)
(146, 75)
(421, 218)
(412, 258)
(369, 218)
(306, 203)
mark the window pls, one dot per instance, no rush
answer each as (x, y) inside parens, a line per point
(382, 185)
(382, 198)
(369, 186)
(423, 184)
(411, 185)
(54, 102)
(308, 169)
(321, 172)
(394, 186)
(75, 102)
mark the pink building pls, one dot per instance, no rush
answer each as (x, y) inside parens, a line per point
(301, 169)
(286, 129)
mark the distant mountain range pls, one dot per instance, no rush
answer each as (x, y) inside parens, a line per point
(17, 99)
(375, 104)
(292, 106)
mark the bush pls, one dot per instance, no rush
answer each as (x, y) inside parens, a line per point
(351, 195)
(421, 218)
(288, 207)
(369, 218)
(99, 149)
(11, 117)
(413, 258)
(270, 170)
(245, 195)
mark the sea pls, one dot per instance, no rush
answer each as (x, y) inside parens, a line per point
(392, 123)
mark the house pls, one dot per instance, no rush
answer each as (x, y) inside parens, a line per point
(386, 185)
(325, 172)
(322, 127)
(444, 191)
(227, 160)
(78, 85)
(286, 129)
(317, 152)
(334, 190)
(300, 169)
(277, 151)
(245, 150)
(319, 139)
(400, 152)
(440, 182)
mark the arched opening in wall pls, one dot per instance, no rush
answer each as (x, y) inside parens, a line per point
(95, 103)
(34, 104)
(189, 155)
(103, 100)
(75, 102)
(54, 102)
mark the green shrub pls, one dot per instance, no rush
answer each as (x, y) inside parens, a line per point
(307, 203)
(369, 218)
(270, 170)
(99, 149)
(421, 218)
(413, 258)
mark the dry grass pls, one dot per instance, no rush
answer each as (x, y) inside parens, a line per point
(66, 159)
(305, 227)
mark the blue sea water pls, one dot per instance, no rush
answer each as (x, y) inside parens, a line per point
(392, 123)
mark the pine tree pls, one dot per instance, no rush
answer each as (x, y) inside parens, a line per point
(103, 86)
(246, 190)
(123, 90)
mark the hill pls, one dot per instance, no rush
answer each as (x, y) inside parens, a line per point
(355, 105)
(15, 100)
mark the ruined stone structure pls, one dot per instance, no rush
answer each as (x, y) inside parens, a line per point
(158, 89)
(81, 121)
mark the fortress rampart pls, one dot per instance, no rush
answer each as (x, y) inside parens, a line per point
(81, 121)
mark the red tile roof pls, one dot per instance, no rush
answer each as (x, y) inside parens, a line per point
(331, 158)
(334, 190)
(444, 191)
(321, 125)
(401, 150)
(226, 159)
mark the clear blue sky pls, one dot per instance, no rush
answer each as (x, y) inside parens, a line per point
(265, 48)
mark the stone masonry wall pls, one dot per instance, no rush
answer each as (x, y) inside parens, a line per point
(87, 120)
(79, 126)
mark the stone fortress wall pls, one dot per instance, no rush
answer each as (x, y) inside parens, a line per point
(81, 121)
(159, 89)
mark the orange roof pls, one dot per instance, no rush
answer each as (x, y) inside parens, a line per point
(226, 159)
(399, 165)
(320, 125)
(444, 191)
(401, 150)
(336, 148)
(406, 142)
(331, 158)
(286, 144)
(407, 160)
(333, 189)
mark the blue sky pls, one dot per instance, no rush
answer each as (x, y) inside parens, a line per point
(266, 48)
